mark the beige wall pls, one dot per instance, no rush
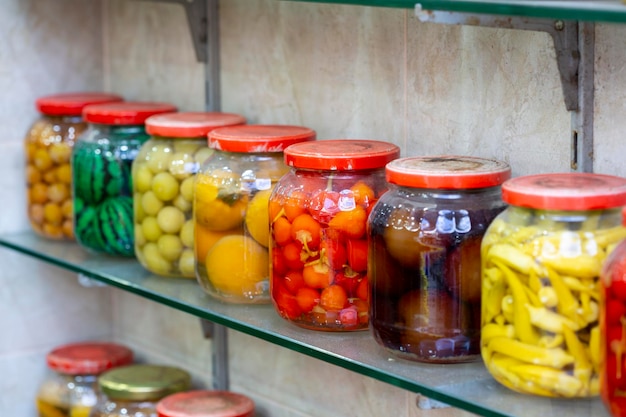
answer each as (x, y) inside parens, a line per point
(348, 72)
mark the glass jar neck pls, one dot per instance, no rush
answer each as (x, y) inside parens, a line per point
(64, 119)
(120, 129)
(572, 220)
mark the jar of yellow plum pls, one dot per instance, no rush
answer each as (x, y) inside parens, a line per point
(135, 390)
(48, 146)
(541, 261)
(163, 173)
(231, 220)
(102, 185)
(70, 389)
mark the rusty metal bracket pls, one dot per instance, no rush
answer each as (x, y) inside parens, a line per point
(196, 11)
(574, 47)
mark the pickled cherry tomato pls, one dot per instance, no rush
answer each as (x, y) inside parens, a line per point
(319, 228)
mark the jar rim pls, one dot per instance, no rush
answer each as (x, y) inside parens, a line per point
(125, 112)
(88, 357)
(205, 403)
(341, 154)
(72, 104)
(447, 172)
(258, 138)
(566, 191)
(190, 124)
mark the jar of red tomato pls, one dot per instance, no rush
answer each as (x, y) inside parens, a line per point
(541, 289)
(425, 236)
(205, 403)
(613, 330)
(230, 211)
(318, 214)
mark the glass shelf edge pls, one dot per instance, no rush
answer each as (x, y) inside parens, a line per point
(284, 334)
(609, 11)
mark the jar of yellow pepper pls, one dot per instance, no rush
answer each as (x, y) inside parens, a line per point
(541, 261)
(231, 218)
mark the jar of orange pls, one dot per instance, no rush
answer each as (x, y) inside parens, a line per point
(318, 214)
(48, 145)
(231, 220)
(163, 173)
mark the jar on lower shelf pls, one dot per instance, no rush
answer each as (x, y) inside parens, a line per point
(48, 147)
(425, 235)
(71, 389)
(231, 195)
(541, 264)
(204, 403)
(102, 184)
(163, 176)
(318, 214)
(135, 390)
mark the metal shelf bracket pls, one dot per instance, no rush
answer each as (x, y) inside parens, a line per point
(196, 11)
(219, 336)
(574, 48)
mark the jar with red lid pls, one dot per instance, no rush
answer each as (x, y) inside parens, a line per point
(205, 403)
(318, 214)
(163, 173)
(541, 262)
(48, 147)
(70, 389)
(425, 235)
(231, 226)
(102, 185)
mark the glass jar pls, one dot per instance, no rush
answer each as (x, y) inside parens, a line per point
(204, 403)
(101, 174)
(541, 262)
(163, 173)
(613, 330)
(231, 193)
(135, 390)
(425, 235)
(48, 146)
(318, 215)
(70, 389)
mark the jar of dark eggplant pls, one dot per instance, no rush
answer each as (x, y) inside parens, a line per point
(424, 246)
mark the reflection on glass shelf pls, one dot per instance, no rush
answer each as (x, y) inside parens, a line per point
(598, 11)
(466, 386)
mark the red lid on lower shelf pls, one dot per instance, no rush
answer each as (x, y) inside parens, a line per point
(205, 403)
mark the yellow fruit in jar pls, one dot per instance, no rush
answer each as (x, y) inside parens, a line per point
(182, 204)
(236, 264)
(165, 186)
(53, 230)
(170, 247)
(67, 209)
(68, 229)
(257, 217)
(38, 193)
(154, 261)
(32, 175)
(60, 152)
(58, 192)
(50, 177)
(186, 234)
(170, 219)
(187, 264)
(186, 189)
(203, 154)
(52, 213)
(218, 212)
(158, 158)
(142, 177)
(36, 213)
(150, 228)
(151, 203)
(204, 239)
(42, 159)
(182, 165)
(64, 173)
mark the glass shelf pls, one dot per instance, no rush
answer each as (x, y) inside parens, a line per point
(596, 11)
(466, 386)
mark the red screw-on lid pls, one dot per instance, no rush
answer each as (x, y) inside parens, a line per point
(566, 191)
(341, 154)
(72, 104)
(88, 358)
(447, 172)
(124, 113)
(203, 403)
(190, 124)
(258, 138)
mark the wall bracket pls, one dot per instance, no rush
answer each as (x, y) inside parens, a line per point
(574, 48)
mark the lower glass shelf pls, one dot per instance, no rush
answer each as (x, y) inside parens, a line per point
(466, 386)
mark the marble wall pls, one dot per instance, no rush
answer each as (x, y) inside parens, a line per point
(346, 71)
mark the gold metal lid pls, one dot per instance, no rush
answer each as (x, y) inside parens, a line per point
(143, 382)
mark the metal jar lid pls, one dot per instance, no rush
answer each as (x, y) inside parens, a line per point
(143, 382)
